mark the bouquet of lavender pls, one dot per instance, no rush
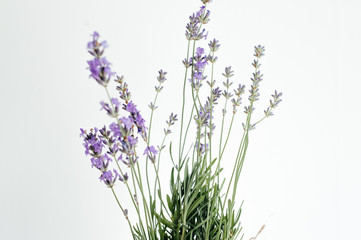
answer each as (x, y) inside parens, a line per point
(201, 203)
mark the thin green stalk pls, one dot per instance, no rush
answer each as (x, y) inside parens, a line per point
(145, 204)
(210, 142)
(220, 140)
(228, 134)
(183, 104)
(147, 142)
(130, 225)
(260, 120)
(146, 211)
(156, 169)
(161, 200)
(131, 196)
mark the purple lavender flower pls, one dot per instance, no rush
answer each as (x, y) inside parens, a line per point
(114, 127)
(127, 145)
(129, 160)
(193, 28)
(123, 89)
(199, 63)
(137, 118)
(99, 66)
(93, 144)
(201, 148)
(117, 175)
(214, 45)
(131, 107)
(101, 163)
(128, 123)
(204, 113)
(151, 152)
(132, 140)
(111, 111)
(161, 77)
(108, 178)
(82, 133)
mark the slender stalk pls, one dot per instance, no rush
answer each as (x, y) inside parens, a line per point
(220, 140)
(130, 225)
(131, 196)
(210, 142)
(225, 143)
(147, 142)
(183, 104)
(145, 205)
(156, 169)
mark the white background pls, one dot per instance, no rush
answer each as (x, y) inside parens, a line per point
(302, 173)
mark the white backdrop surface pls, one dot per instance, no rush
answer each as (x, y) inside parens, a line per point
(302, 175)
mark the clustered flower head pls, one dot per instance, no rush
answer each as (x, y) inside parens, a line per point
(136, 118)
(193, 28)
(122, 88)
(151, 152)
(113, 110)
(201, 148)
(257, 76)
(94, 143)
(99, 66)
(214, 45)
(161, 79)
(204, 114)
(273, 103)
(238, 100)
(199, 62)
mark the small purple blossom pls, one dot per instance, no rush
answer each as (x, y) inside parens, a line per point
(137, 118)
(199, 63)
(93, 144)
(112, 111)
(99, 66)
(101, 163)
(114, 128)
(128, 123)
(214, 45)
(118, 176)
(132, 140)
(123, 89)
(127, 145)
(129, 160)
(151, 152)
(193, 28)
(131, 107)
(201, 148)
(108, 178)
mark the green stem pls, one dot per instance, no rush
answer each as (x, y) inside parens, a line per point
(183, 105)
(131, 196)
(210, 144)
(148, 141)
(130, 225)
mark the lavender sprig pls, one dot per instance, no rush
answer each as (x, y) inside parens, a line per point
(198, 62)
(99, 66)
(193, 28)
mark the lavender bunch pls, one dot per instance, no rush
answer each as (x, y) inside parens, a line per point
(201, 203)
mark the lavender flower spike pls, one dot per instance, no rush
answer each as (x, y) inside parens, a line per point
(151, 152)
(99, 66)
